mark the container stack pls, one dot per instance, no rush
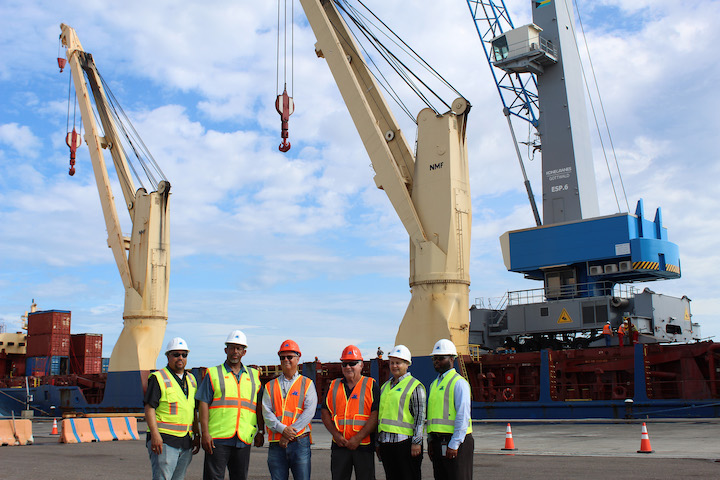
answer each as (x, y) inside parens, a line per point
(48, 343)
(86, 353)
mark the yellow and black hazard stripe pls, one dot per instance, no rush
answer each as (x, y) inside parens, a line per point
(646, 266)
(672, 268)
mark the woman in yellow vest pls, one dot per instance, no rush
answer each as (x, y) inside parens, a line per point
(449, 426)
(401, 419)
(228, 405)
(173, 433)
(289, 402)
(350, 413)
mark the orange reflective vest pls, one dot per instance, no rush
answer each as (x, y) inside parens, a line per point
(289, 408)
(607, 330)
(351, 414)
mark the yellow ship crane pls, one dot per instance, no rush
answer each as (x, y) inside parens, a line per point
(429, 189)
(143, 259)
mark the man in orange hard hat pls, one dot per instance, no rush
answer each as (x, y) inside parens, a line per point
(350, 413)
(289, 402)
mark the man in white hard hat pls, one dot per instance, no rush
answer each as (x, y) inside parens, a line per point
(230, 413)
(449, 426)
(173, 435)
(607, 333)
(401, 419)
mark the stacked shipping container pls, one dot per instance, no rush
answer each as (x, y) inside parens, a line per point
(48, 343)
(86, 353)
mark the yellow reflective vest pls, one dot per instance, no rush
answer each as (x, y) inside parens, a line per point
(176, 412)
(233, 408)
(441, 404)
(394, 413)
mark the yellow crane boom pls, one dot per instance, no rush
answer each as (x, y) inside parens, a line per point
(143, 259)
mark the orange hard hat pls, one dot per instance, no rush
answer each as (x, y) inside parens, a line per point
(351, 352)
(289, 346)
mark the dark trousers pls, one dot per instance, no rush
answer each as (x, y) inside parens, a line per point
(236, 460)
(343, 460)
(398, 462)
(458, 468)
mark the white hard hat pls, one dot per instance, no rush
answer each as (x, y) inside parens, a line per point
(177, 343)
(237, 337)
(402, 352)
(444, 347)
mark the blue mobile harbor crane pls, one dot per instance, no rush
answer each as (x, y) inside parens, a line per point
(587, 262)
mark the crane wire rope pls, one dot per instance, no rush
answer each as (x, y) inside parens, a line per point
(407, 48)
(379, 76)
(285, 46)
(135, 142)
(403, 71)
(592, 107)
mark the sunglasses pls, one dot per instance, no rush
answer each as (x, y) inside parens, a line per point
(287, 357)
(178, 354)
(349, 364)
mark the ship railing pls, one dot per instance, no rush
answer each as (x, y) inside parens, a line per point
(564, 292)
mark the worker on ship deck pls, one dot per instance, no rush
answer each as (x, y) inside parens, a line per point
(608, 333)
(350, 414)
(229, 408)
(288, 404)
(401, 419)
(449, 426)
(173, 435)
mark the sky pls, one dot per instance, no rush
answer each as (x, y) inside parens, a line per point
(303, 245)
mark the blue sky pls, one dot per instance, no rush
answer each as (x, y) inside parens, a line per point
(302, 245)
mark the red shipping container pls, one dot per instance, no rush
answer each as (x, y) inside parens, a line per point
(57, 345)
(85, 365)
(49, 322)
(86, 345)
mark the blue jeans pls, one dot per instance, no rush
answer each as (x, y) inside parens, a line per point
(295, 458)
(171, 464)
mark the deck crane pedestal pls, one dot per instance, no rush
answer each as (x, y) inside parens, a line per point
(585, 261)
(429, 189)
(143, 259)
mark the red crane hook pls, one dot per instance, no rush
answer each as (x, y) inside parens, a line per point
(73, 141)
(285, 106)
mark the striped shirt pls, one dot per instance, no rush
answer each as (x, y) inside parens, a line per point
(417, 409)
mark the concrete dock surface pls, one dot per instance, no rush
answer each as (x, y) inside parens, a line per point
(551, 449)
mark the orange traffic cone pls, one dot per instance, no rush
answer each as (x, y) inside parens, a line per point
(509, 444)
(54, 430)
(645, 441)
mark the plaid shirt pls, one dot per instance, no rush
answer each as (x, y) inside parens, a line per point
(417, 409)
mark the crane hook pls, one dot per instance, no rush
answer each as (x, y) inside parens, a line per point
(73, 141)
(285, 106)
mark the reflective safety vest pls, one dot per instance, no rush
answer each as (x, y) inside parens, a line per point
(394, 415)
(351, 414)
(287, 409)
(441, 404)
(233, 408)
(607, 330)
(176, 412)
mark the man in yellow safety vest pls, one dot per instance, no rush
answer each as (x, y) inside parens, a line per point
(449, 426)
(173, 433)
(229, 404)
(401, 419)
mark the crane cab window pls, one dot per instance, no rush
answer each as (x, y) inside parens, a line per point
(500, 48)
